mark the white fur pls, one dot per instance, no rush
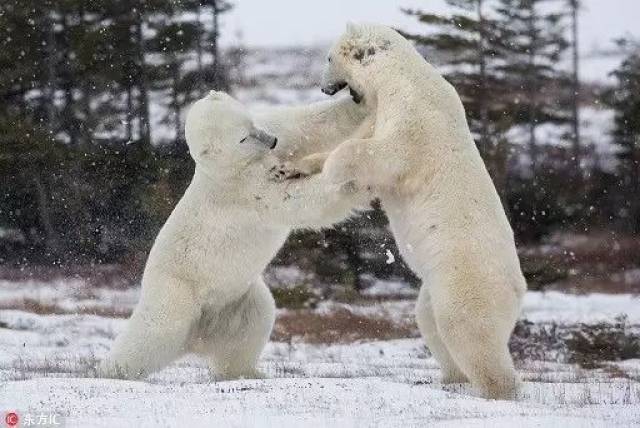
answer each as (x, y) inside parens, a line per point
(443, 208)
(202, 289)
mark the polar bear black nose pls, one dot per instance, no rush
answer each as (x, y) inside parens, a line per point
(333, 88)
(275, 141)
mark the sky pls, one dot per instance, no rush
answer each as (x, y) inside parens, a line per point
(300, 22)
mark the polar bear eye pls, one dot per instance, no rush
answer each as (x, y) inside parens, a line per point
(328, 59)
(244, 139)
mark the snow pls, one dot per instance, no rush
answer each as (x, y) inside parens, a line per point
(552, 306)
(388, 288)
(46, 365)
(589, 308)
(68, 295)
(285, 276)
(390, 258)
(292, 402)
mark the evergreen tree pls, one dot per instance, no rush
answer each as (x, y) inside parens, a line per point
(533, 34)
(574, 7)
(173, 40)
(470, 45)
(626, 103)
(215, 76)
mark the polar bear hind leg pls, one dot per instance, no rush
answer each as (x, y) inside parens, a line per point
(477, 340)
(155, 335)
(232, 338)
(427, 326)
(485, 359)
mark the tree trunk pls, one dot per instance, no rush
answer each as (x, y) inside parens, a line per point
(576, 91)
(484, 110)
(355, 262)
(215, 64)
(635, 191)
(50, 84)
(129, 114)
(69, 110)
(531, 91)
(175, 68)
(500, 173)
(492, 148)
(200, 86)
(143, 102)
(44, 212)
(86, 125)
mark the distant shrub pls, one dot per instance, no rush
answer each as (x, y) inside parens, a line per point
(591, 344)
(540, 272)
(337, 326)
(297, 297)
(588, 345)
(537, 341)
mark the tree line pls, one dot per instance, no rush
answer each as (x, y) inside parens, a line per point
(81, 178)
(92, 159)
(507, 59)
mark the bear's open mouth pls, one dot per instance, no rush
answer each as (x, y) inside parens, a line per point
(355, 96)
(334, 88)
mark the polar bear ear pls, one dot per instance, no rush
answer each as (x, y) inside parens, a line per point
(216, 95)
(219, 96)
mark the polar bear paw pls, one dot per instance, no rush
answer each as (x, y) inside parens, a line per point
(110, 370)
(285, 171)
(453, 376)
(252, 373)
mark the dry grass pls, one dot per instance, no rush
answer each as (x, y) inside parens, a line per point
(587, 345)
(71, 366)
(583, 264)
(615, 372)
(44, 308)
(111, 276)
(339, 326)
(304, 325)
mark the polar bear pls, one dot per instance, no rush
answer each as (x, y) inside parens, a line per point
(442, 206)
(202, 290)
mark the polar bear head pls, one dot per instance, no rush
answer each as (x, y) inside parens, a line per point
(358, 56)
(222, 136)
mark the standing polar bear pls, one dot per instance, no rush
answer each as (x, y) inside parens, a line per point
(202, 289)
(442, 206)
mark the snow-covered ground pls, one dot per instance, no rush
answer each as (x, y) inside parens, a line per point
(49, 346)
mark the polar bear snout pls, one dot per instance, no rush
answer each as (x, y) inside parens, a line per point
(333, 87)
(264, 137)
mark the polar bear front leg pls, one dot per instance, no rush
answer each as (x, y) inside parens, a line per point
(155, 335)
(235, 341)
(364, 164)
(308, 165)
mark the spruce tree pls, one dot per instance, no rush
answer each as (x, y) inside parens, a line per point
(215, 76)
(469, 46)
(534, 39)
(172, 42)
(626, 134)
